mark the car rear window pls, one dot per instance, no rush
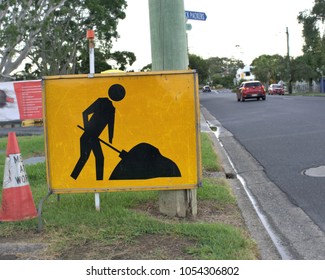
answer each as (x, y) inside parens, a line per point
(253, 84)
(277, 86)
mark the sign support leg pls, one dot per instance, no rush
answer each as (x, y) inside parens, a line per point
(40, 205)
(97, 202)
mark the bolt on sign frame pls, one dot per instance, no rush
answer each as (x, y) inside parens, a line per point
(122, 132)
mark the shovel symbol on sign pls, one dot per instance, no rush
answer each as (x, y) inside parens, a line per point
(143, 161)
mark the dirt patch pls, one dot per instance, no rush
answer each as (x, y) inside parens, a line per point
(145, 247)
(228, 214)
(208, 211)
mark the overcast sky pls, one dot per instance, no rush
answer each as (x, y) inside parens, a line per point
(233, 28)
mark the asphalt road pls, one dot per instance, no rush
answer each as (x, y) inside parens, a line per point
(285, 135)
(22, 131)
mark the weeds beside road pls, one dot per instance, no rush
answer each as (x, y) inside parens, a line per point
(129, 225)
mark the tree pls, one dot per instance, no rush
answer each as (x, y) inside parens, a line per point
(270, 68)
(202, 67)
(147, 68)
(20, 24)
(119, 59)
(313, 33)
(52, 35)
(223, 70)
(123, 59)
(70, 52)
(301, 69)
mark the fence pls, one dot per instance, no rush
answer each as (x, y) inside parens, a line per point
(304, 87)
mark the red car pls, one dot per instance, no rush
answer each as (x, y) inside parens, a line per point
(251, 89)
(276, 89)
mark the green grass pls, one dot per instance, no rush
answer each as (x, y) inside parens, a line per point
(29, 145)
(210, 159)
(73, 221)
(318, 94)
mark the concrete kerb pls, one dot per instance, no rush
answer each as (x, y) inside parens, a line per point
(293, 234)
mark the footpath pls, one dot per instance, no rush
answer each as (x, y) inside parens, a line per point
(280, 228)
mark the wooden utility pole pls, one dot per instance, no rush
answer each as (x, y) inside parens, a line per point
(169, 52)
(288, 63)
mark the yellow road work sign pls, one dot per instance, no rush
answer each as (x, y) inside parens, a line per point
(122, 131)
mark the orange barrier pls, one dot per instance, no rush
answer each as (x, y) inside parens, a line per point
(17, 198)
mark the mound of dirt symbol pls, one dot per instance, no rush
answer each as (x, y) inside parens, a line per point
(144, 161)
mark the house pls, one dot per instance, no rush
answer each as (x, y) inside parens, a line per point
(245, 74)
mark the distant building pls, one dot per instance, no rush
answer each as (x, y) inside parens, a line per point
(245, 74)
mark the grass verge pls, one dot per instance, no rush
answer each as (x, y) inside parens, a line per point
(129, 225)
(306, 94)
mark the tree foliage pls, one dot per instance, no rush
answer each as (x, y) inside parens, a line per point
(301, 69)
(270, 69)
(49, 37)
(52, 35)
(215, 70)
(313, 33)
(223, 70)
(202, 67)
(20, 24)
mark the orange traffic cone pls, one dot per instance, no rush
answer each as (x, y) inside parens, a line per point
(17, 198)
